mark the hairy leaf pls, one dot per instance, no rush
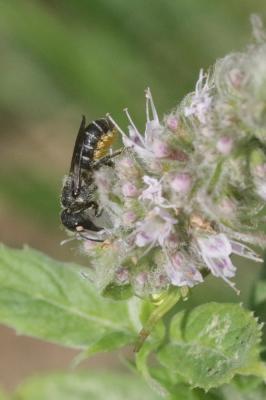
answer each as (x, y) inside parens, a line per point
(212, 343)
(50, 300)
(85, 386)
(184, 392)
(243, 388)
(143, 367)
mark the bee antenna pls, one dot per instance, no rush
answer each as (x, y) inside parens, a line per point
(67, 240)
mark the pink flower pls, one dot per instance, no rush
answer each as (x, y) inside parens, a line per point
(244, 251)
(142, 145)
(155, 228)
(172, 122)
(182, 272)
(130, 190)
(160, 149)
(129, 217)
(201, 100)
(216, 250)
(153, 192)
(141, 280)
(122, 275)
(181, 182)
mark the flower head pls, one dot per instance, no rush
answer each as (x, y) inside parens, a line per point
(186, 194)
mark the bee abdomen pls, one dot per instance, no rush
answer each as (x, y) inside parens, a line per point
(100, 135)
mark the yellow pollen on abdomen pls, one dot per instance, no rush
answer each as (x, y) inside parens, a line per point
(103, 145)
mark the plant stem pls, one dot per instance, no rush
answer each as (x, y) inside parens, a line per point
(168, 302)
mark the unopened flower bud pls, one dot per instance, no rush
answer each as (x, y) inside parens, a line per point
(160, 149)
(237, 78)
(181, 183)
(142, 278)
(129, 217)
(130, 190)
(224, 145)
(122, 276)
(172, 123)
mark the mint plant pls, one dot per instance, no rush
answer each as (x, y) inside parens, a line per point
(182, 198)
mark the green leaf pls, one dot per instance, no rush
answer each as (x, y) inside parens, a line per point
(243, 388)
(85, 386)
(212, 343)
(168, 383)
(184, 392)
(240, 388)
(143, 367)
(50, 300)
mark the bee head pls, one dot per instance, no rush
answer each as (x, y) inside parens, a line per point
(78, 221)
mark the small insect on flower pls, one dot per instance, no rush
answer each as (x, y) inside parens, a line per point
(78, 196)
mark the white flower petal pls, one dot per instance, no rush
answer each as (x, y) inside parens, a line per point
(215, 245)
(181, 272)
(244, 251)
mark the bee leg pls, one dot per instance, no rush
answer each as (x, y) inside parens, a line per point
(93, 205)
(99, 212)
(107, 160)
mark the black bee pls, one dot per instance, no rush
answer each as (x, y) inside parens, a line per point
(78, 194)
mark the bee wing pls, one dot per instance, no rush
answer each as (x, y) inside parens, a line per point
(76, 158)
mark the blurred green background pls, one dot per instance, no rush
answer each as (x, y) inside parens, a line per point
(61, 59)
